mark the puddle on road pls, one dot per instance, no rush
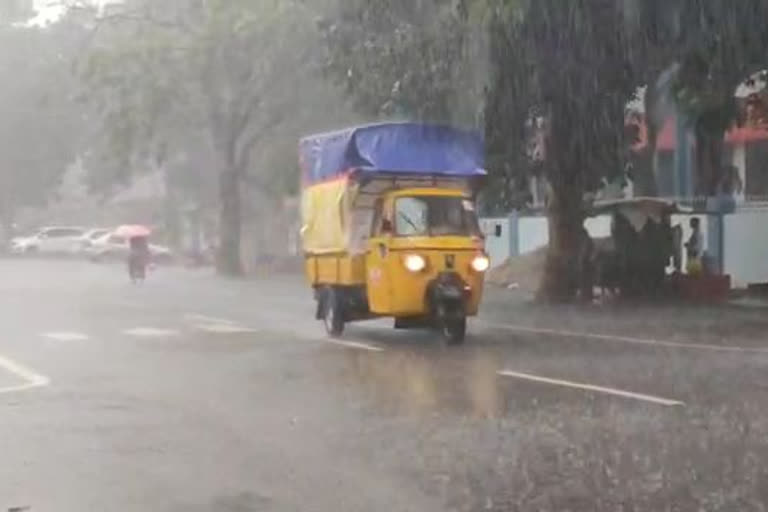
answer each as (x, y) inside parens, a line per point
(416, 383)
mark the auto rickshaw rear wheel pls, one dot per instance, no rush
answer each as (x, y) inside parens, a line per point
(333, 312)
(454, 330)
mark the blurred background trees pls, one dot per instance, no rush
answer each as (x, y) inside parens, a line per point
(41, 126)
(223, 82)
(212, 95)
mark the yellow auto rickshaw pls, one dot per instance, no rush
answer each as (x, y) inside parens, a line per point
(390, 227)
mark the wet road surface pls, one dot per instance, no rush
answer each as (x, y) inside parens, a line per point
(194, 393)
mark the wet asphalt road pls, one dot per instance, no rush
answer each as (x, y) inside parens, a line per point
(192, 393)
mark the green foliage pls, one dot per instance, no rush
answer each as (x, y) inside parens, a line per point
(560, 72)
(222, 73)
(222, 81)
(400, 58)
(496, 64)
(41, 126)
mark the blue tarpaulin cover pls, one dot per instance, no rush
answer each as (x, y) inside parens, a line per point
(392, 148)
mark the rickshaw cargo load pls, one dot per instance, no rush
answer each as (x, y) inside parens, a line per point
(344, 172)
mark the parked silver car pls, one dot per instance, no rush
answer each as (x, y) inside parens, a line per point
(90, 236)
(50, 240)
(112, 247)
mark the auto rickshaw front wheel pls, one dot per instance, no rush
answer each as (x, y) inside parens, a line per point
(454, 330)
(332, 312)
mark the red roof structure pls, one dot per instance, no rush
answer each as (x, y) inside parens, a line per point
(667, 138)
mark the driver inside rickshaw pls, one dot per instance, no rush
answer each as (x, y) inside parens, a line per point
(435, 216)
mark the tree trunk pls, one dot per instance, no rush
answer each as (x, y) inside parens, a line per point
(171, 212)
(564, 167)
(566, 223)
(228, 258)
(709, 162)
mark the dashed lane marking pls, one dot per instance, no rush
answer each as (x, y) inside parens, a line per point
(206, 319)
(624, 339)
(32, 378)
(224, 328)
(66, 336)
(151, 332)
(218, 325)
(590, 387)
(355, 344)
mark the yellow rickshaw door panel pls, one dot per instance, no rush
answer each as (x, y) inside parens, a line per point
(378, 281)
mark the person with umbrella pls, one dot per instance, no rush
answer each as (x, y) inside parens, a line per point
(138, 253)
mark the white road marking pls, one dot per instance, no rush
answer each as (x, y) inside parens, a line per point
(218, 325)
(225, 328)
(625, 339)
(194, 317)
(589, 387)
(66, 336)
(151, 332)
(32, 378)
(355, 344)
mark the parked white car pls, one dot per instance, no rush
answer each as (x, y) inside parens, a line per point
(90, 236)
(111, 247)
(50, 240)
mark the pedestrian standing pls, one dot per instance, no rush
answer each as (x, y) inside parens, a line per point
(694, 247)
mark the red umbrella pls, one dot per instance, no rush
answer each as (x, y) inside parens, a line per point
(132, 231)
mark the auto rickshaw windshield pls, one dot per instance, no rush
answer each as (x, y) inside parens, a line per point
(435, 216)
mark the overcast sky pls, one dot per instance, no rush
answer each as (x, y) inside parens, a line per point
(50, 10)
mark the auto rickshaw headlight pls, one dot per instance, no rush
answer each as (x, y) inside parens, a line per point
(414, 262)
(481, 263)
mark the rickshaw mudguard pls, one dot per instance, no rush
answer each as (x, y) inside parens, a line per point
(447, 295)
